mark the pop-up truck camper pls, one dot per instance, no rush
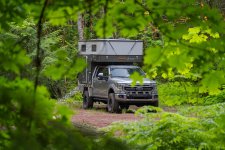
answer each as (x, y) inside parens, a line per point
(110, 62)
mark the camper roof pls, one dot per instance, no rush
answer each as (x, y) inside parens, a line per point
(111, 47)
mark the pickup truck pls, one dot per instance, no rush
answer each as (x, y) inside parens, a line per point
(107, 76)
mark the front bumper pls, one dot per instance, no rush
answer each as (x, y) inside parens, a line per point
(124, 98)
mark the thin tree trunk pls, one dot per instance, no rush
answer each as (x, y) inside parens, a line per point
(80, 25)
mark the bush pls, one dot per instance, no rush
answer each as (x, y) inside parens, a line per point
(214, 99)
(78, 96)
(173, 131)
(210, 111)
(178, 93)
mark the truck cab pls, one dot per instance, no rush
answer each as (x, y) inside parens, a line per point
(107, 76)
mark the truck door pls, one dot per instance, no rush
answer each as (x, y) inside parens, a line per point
(100, 83)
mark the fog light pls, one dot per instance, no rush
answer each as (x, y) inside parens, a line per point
(155, 96)
(121, 96)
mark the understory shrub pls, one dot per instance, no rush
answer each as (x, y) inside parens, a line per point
(78, 96)
(178, 93)
(165, 130)
(213, 99)
(209, 111)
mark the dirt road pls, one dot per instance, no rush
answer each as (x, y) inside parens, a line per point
(98, 117)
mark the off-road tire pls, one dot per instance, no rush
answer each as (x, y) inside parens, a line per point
(87, 101)
(113, 105)
(155, 103)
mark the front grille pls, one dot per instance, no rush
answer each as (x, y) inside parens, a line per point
(138, 88)
(147, 88)
(139, 92)
(130, 88)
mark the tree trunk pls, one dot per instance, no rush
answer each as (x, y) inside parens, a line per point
(80, 25)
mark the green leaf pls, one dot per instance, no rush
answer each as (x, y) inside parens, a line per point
(212, 82)
(137, 78)
(153, 56)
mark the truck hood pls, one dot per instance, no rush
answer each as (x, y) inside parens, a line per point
(129, 81)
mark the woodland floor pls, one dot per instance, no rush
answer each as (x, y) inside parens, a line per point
(98, 117)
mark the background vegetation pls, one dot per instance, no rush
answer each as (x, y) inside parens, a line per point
(184, 42)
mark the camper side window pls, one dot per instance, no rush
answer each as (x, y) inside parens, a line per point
(83, 48)
(93, 48)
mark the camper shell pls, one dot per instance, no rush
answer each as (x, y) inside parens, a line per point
(109, 52)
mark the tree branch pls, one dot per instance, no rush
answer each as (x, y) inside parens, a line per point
(38, 57)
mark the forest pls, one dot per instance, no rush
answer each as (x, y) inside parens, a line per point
(184, 42)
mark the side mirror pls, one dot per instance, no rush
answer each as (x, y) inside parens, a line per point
(100, 76)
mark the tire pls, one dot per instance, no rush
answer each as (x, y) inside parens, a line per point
(87, 101)
(155, 104)
(113, 105)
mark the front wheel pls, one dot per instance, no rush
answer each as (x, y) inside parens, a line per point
(87, 101)
(155, 104)
(113, 105)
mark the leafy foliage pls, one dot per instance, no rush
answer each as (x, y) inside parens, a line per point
(58, 57)
(214, 99)
(174, 93)
(190, 44)
(178, 93)
(33, 119)
(136, 77)
(164, 130)
(29, 117)
(27, 122)
(210, 111)
(78, 96)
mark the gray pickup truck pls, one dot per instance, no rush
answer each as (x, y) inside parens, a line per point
(107, 76)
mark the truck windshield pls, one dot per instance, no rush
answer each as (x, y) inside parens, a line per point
(125, 72)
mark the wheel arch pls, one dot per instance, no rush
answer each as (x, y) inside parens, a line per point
(85, 89)
(110, 91)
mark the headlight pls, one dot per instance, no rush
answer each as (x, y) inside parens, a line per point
(120, 86)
